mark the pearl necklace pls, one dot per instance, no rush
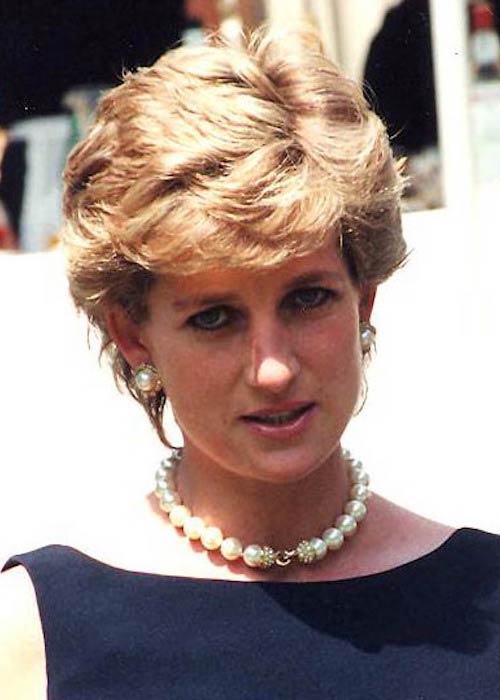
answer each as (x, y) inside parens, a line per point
(254, 555)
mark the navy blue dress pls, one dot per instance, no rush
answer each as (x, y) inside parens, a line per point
(427, 630)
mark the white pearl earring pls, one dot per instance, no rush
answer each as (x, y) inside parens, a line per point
(367, 334)
(147, 379)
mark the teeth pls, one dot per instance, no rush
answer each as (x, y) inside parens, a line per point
(280, 418)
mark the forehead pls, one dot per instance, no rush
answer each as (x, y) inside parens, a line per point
(213, 285)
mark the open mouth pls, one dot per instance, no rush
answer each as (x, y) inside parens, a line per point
(283, 418)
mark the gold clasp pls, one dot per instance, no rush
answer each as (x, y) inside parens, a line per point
(285, 557)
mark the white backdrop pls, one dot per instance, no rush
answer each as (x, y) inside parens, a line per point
(73, 449)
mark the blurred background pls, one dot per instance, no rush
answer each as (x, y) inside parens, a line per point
(431, 73)
(431, 69)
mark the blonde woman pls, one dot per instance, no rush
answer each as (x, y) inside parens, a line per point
(229, 219)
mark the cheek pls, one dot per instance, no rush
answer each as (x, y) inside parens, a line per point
(194, 378)
(334, 359)
(334, 341)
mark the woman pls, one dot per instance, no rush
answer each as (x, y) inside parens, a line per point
(229, 218)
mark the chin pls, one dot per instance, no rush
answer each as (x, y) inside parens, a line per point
(289, 468)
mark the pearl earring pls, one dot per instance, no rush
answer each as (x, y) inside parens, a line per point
(147, 379)
(367, 334)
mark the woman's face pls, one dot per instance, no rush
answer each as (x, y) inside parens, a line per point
(263, 369)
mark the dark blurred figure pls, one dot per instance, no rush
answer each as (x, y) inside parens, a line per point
(48, 47)
(399, 75)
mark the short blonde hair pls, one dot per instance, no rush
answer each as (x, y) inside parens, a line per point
(226, 156)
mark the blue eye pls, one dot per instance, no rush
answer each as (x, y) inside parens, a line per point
(211, 319)
(310, 297)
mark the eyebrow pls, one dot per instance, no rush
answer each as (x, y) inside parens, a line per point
(314, 277)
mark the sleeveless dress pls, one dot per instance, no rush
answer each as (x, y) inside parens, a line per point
(426, 630)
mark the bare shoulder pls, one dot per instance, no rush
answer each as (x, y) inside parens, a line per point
(22, 657)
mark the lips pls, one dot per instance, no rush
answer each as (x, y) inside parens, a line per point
(283, 414)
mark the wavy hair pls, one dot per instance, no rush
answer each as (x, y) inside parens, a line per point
(226, 156)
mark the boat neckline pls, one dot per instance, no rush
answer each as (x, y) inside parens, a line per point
(450, 541)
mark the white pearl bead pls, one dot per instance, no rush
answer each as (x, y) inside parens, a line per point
(252, 555)
(212, 537)
(193, 527)
(347, 524)
(366, 337)
(333, 538)
(161, 486)
(170, 474)
(357, 509)
(179, 514)
(166, 483)
(168, 463)
(168, 500)
(359, 492)
(231, 548)
(361, 477)
(161, 472)
(320, 548)
(145, 379)
(355, 467)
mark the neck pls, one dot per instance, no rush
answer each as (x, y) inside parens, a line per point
(259, 512)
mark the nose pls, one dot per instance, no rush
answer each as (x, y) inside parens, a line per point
(272, 365)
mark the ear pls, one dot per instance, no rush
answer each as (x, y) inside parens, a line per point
(367, 295)
(126, 335)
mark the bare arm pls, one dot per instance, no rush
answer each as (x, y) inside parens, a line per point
(22, 655)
